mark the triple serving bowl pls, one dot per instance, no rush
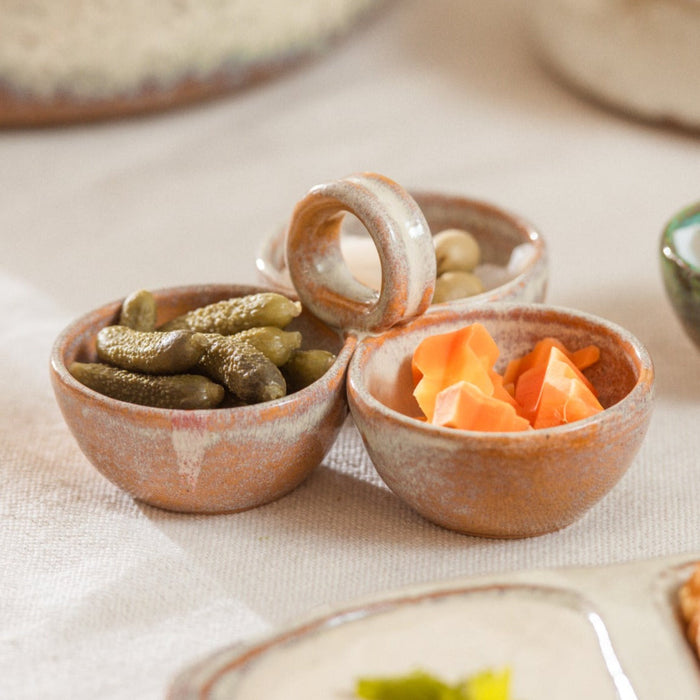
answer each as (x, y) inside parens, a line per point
(488, 484)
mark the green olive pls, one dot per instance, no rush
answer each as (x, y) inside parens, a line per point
(456, 285)
(456, 250)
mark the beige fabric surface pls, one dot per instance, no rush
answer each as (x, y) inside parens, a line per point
(104, 597)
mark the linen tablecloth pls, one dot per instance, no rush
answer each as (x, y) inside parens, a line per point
(101, 596)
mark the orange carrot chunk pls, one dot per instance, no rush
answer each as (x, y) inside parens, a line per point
(465, 407)
(439, 361)
(539, 355)
(554, 393)
(585, 357)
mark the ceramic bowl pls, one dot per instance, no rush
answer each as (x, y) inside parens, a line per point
(680, 267)
(638, 56)
(502, 484)
(201, 461)
(504, 239)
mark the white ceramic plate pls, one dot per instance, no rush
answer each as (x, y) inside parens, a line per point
(609, 632)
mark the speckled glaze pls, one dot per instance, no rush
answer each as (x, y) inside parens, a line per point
(396, 224)
(499, 485)
(502, 484)
(681, 276)
(204, 461)
(497, 231)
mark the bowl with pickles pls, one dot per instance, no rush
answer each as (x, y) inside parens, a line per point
(205, 399)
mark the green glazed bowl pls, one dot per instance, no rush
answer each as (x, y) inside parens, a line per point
(680, 266)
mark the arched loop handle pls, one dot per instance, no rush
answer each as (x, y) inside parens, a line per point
(401, 234)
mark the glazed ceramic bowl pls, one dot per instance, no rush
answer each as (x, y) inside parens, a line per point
(201, 461)
(680, 267)
(502, 484)
(637, 56)
(514, 253)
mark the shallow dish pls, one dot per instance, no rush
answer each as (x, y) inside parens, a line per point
(201, 461)
(563, 633)
(498, 232)
(680, 267)
(502, 484)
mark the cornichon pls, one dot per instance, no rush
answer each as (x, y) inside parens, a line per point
(152, 352)
(239, 313)
(305, 367)
(242, 368)
(277, 345)
(139, 311)
(187, 391)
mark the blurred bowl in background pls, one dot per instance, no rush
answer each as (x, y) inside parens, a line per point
(680, 267)
(64, 61)
(639, 56)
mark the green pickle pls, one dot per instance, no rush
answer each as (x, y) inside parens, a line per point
(230, 353)
(277, 345)
(238, 314)
(139, 311)
(187, 391)
(305, 367)
(151, 352)
(243, 369)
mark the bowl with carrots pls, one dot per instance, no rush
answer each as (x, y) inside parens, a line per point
(504, 420)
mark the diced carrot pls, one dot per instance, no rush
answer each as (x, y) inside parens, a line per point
(502, 391)
(456, 384)
(585, 357)
(467, 354)
(466, 407)
(512, 371)
(539, 355)
(554, 393)
(468, 369)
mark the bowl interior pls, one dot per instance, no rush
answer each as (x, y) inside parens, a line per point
(515, 329)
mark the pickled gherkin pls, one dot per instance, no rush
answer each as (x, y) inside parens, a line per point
(139, 311)
(187, 391)
(238, 314)
(242, 369)
(277, 345)
(230, 353)
(152, 352)
(305, 367)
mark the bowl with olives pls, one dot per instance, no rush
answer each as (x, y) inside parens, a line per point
(483, 252)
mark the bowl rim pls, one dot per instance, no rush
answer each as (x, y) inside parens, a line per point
(60, 373)
(669, 250)
(644, 385)
(270, 261)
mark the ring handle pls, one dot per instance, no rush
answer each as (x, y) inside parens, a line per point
(401, 234)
